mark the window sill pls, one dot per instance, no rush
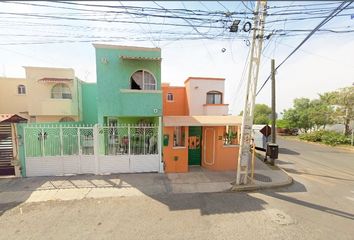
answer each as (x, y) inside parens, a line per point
(139, 91)
(231, 146)
(60, 99)
(179, 147)
(21, 94)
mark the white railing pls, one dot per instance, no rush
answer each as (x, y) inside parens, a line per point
(53, 140)
(59, 150)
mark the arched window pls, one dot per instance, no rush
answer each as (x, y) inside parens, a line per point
(61, 91)
(214, 97)
(67, 119)
(142, 80)
(21, 89)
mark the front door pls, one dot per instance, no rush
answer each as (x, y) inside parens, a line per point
(194, 142)
(209, 146)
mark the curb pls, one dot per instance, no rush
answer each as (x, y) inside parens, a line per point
(245, 188)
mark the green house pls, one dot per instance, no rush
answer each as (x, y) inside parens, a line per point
(128, 85)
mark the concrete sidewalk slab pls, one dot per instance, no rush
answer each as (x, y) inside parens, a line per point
(198, 180)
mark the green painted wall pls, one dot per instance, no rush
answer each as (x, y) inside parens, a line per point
(21, 150)
(89, 103)
(115, 74)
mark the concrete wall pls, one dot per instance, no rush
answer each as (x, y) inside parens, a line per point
(39, 92)
(89, 103)
(225, 156)
(37, 101)
(115, 98)
(197, 88)
(10, 100)
(175, 158)
(177, 107)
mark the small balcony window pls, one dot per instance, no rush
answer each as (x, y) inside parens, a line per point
(169, 97)
(61, 91)
(142, 80)
(214, 97)
(21, 89)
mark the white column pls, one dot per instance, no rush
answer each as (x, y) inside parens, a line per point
(159, 142)
(96, 147)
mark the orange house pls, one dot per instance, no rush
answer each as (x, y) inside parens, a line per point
(197, 128)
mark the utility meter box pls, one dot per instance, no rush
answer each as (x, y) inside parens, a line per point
(272, 150)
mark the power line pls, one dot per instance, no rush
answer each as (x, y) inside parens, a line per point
(339, 9)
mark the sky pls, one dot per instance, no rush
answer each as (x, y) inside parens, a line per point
(324, 63)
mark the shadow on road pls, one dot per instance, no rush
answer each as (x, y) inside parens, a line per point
(299, 187)
(294, 171)
(288, 151)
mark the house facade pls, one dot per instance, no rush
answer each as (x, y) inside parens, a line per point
(128, 84)
(44, 95)
(197, 128)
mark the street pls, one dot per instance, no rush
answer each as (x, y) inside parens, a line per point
(318, 205)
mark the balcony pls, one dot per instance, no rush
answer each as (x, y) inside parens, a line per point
(216, 109)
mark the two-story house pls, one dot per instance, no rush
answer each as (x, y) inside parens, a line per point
(44, 95)
(129, 107)
(198, 131)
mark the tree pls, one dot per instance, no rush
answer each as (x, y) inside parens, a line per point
(261, 114)
(299, 115)
(320, 113)
(343, 101)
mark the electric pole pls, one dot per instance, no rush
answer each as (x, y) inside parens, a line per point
(248, 111)
(274, 117)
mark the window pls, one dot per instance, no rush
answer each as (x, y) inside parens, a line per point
(66, 119)
(214, 97)
(169, 97)
(231, 135)
(142, 80)
(21, 89)
(179, 137)
(61, 91)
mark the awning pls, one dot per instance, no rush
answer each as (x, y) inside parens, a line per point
(140, 58)
(11, 118)
(175, 121)
(55, 80)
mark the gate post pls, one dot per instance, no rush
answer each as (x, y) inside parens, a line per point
(96, 147)
(159, 148)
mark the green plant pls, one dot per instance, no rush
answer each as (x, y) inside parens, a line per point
(327, 137)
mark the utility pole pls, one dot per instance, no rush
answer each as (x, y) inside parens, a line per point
(273, 107)
(274, 117)
(248, 111)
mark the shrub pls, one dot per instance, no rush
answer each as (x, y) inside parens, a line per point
(327, 137)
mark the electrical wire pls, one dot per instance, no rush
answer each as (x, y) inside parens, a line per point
(339, 9)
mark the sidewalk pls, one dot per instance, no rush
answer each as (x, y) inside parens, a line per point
(198, 180)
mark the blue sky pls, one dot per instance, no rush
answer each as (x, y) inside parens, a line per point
(324, 63)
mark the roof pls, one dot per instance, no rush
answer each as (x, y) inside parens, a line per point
(175, 121)
(125, 47)
(141, 58)
(203, 78)
(11, 118)
(46, 79)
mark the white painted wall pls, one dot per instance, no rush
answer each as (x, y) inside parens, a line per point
(196, 94)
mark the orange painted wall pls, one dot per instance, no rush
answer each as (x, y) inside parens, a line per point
(225, 157)
(170, 153)
(179, 106)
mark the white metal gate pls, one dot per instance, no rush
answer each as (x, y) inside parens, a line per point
(65, 150)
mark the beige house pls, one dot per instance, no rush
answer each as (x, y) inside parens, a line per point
(45, 95)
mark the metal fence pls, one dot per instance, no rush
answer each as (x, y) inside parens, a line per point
(55, 140)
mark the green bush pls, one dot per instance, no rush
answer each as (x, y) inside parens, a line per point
(327, 137)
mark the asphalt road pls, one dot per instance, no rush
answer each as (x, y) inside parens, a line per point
(319, 205)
